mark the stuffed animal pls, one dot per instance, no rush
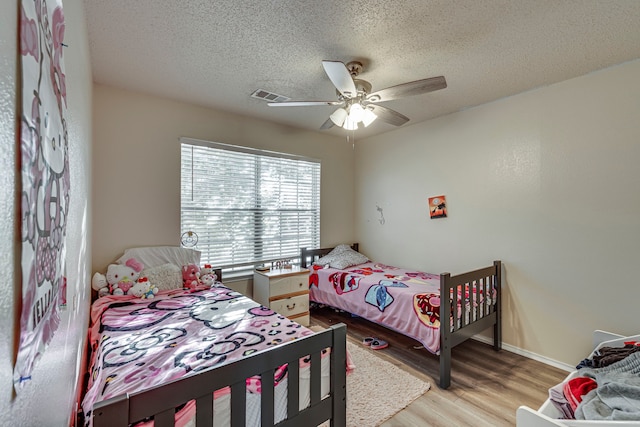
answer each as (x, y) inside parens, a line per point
(206, 270)
(190, 276)
(99, 284)
(207, 276)
(122, 277)
(143, 289)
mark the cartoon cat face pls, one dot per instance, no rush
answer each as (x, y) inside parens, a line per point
(121, 273)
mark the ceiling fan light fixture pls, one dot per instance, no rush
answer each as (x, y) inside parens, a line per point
(339, 116)
(350, 124)
(368, 117)
(356, 112)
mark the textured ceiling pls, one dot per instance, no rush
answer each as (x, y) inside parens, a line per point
(215, 53)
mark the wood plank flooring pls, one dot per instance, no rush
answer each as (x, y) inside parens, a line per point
(486, 386)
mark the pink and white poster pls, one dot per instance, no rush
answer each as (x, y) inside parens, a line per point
(44, 168)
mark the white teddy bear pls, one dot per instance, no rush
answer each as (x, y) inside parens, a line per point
(99, 284)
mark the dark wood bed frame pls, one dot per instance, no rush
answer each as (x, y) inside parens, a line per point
(490, 315)
(162, 401)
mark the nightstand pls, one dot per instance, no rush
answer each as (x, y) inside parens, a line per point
(285, 291)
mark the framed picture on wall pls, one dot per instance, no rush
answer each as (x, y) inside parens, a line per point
(437, 207)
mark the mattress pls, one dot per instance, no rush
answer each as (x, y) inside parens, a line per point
(140, 343)
(403, 300)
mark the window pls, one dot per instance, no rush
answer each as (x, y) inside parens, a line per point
(248, 207)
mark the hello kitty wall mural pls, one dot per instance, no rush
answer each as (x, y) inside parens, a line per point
(45, 179)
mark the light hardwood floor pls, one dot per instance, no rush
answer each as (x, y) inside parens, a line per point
(486, 386)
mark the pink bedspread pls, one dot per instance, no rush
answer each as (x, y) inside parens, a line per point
(138, 343)
(406, 301)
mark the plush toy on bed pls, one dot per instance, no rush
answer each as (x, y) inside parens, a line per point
(119, 280)
(143, 289)
(207, 276)
(99, 284)
(190, 276)
(122, 277)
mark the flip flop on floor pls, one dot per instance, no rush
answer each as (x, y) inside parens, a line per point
(378, 344)
(368, 340)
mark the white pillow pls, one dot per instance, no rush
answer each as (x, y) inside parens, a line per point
(154, 256)
(341, 248)
(165, 277)
(342, 257)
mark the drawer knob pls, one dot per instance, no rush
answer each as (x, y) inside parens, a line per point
(291, 307)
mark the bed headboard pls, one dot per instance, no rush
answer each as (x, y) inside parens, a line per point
(155, 257)
(308, 256)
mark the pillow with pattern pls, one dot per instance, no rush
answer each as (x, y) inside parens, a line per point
(342, 257)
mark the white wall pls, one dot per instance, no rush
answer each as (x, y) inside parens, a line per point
(136, 166)
(48, 400)
(547, 181)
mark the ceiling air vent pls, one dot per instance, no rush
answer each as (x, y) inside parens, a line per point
(269, 96)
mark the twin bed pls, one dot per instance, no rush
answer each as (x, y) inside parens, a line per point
(209, 356)
(409, 301)
(212, 356)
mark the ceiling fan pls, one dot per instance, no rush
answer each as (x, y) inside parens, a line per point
(357, 105)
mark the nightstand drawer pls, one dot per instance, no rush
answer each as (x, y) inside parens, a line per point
(291, 306)
(288, 285)
(303, 319)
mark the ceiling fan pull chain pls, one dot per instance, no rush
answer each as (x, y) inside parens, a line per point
(352, 138)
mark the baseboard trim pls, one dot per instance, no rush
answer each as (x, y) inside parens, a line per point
(527, 353)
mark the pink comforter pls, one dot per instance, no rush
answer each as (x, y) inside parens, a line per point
(406, 301)
(139, 343)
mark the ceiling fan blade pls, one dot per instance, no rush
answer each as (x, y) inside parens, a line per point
(303, 103)
(340, 77)
(327, 125)
(408, 89)
(388, 115)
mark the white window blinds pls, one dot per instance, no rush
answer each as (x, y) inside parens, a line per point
(248, 207)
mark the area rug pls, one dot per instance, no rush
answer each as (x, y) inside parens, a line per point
(377, 389)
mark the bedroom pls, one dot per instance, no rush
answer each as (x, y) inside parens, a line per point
(545, 180)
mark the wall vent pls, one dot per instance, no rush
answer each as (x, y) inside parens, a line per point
(269, 96)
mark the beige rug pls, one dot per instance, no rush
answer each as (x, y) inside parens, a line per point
(377, 389)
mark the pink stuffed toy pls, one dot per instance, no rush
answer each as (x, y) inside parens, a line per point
(190, 276)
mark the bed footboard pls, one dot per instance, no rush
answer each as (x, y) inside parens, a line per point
(162, 401)
(479, 290)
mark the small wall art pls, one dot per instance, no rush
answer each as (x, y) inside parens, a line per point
(437, 207)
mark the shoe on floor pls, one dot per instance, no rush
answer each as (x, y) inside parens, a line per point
(378, 344)
(368, 340)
